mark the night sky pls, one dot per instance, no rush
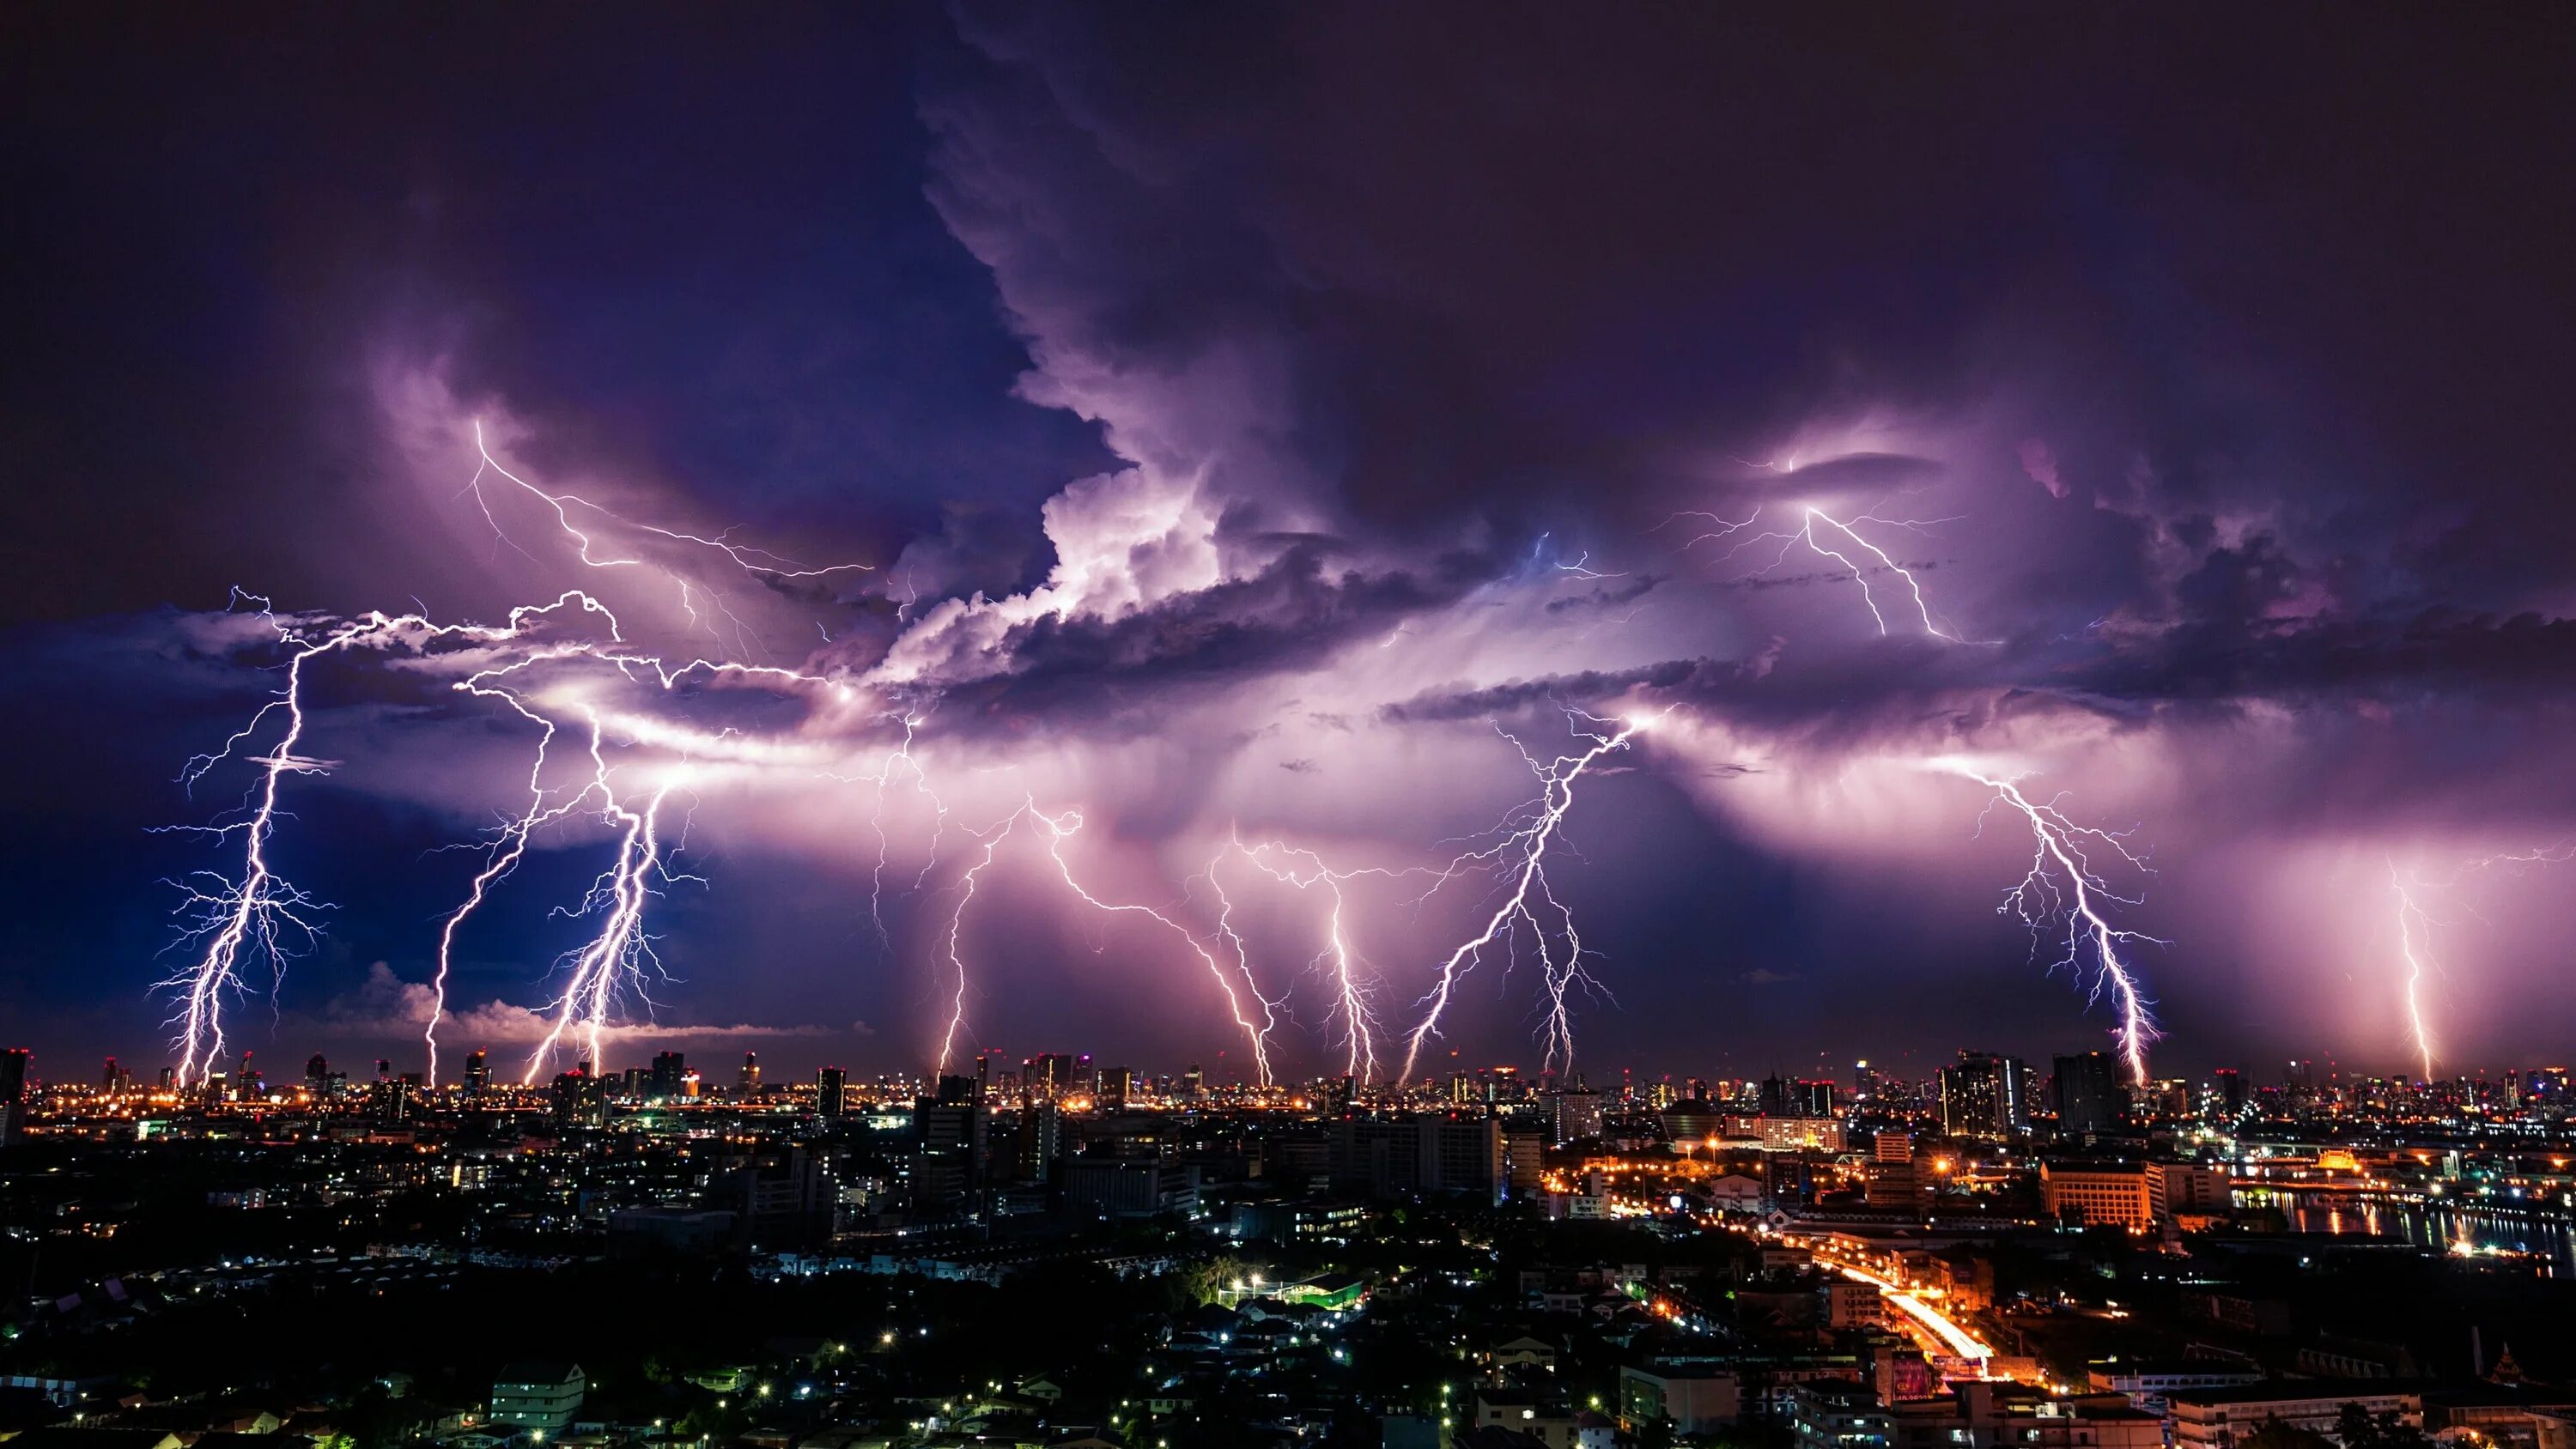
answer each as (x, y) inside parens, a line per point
(1257, 421)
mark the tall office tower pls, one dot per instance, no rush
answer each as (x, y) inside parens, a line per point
(1576, 1116)
(1864, 1082)
(1193, 1082)
(948, 1165)
(1113, 1088)
(748, 1084)
(832, 1099)
(317, 1074)
(1041, 1142)
(1982, 1096)
(670, 1076)
(1774, 1101)
(478, 1074)
(1812, 1097)
(13, 1095)
(1046, 1076)
(2231, 1091)
(2089, 1095)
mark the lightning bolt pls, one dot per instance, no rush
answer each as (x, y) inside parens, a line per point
(2415, 930)
(758, 562)
(1843, 535)
(990, 841)
(1062, 827)
(2411, 916)
(2063, 884)
(1520, 856)
(621, 950)
(1351, 1007)
(250, 918)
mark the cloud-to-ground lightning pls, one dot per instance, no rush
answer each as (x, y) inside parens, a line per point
(1520, 856)
(1306, 870)
(250, 917)
(2415, 934)
(240, 919)
(2064, 884)
(617, 955)
(1062, 827)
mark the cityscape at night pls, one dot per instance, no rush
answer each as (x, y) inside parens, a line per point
(1087, 726)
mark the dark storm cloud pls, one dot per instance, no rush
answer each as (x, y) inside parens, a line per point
(1592, 267)
(2204, 365)
(1118, 675)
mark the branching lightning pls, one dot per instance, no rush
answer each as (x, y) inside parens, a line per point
(2064, 885)
(1839, 534)
(1351, 1008)
(1519, 856)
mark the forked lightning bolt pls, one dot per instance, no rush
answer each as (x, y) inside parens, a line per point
(2065, 885)
(1520, 856)
(1057, 829)
(1838, 536)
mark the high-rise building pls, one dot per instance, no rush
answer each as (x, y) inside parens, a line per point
(1041, 1141)
(2231, 1091)
(947, 1168)
(1577, 1116)
(1812, 1097)
(1864, 1082)
(1113, 1089)
(1194, 1082)
(478, 1074)
(580, 1099)
(1047, 1076)
(1390, 1157)
(317, 1073)
(829, 1099)
(1981, 1096)
(670, 1076)
(748, 1084)
(1774, 1101)
(2090, 1097)
(13, 1095)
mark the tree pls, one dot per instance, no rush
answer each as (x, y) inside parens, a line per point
(2359, 1428)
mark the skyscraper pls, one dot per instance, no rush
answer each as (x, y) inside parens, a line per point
(2089, 1095)
(948, 1166)
(748, 1084)
(670, 1076)
(1982, 1096)
(829, 1100)
(478, 1074)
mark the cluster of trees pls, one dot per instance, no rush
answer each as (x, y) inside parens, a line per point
(2355, 1428)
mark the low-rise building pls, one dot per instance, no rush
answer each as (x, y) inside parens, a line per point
(2219, 1418)
(536, 1395)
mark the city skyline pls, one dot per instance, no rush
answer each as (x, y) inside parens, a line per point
(1551, 560)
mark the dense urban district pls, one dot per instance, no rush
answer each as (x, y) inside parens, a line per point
(1049, 1252)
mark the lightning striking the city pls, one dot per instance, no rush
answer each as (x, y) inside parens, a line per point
(2415, 934)
(1351, 995)
(2064, 885)
(1520, 855)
